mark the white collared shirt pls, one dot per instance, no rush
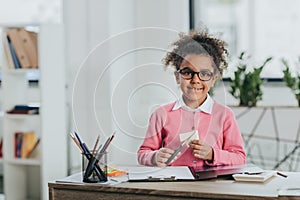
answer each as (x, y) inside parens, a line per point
(206, 106)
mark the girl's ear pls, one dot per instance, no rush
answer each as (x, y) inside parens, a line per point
(177, 77)
(215, 78)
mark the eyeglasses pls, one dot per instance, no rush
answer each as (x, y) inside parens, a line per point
(188, 74)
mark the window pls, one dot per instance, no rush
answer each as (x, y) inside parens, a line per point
(261, 28)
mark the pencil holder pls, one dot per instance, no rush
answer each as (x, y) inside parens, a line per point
(94, 171)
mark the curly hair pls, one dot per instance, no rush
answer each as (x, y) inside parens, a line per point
(198, 43)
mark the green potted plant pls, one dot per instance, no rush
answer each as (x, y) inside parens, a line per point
(293, 82)
(246, 85)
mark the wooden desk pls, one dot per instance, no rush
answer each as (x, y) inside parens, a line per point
(211, 189)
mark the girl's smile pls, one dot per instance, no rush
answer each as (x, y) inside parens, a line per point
(195, 89)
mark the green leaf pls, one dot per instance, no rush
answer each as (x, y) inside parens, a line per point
(290, 81)
(246, 86)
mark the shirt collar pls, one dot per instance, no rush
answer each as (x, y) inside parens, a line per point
(206, 106)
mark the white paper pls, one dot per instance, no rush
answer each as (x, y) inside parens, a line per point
(289, 192)
(193, 136)
(160, 173)
(77, 178)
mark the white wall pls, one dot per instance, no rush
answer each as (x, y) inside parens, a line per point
(30, 11)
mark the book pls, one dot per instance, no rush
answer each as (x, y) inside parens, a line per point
(28, 143)
(30, 150)
(24, 109)
(25, 144)
(34, 56)
(26, 112)
(18, 144)
(17, 64)
(25, 45)
(8, 60)
(255, 177)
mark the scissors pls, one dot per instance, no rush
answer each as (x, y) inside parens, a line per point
(179, 148)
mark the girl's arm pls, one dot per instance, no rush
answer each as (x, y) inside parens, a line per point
(153, 139)
(229, 149)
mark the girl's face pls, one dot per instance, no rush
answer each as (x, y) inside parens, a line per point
(193, 88)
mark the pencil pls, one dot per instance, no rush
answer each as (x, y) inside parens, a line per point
(76, 142)
(95, 146)
(281, 174)
(113, 135)
(105, 146)
(83, 146)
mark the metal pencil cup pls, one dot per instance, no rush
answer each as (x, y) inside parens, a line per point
(99, 170)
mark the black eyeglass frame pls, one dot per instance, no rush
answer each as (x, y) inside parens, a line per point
(193, 74)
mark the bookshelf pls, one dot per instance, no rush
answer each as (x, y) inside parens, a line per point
(27, 178)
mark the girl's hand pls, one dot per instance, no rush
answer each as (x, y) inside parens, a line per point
(202, 150)
(161, 156)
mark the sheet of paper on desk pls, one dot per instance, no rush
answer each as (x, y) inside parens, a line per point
(74, 178)
(289, 192)
(142, 173)
(77, 178)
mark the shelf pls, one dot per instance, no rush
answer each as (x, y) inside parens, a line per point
(25, 161)
(18, 71)
(20, 116)
(29, 176)
(30, 74)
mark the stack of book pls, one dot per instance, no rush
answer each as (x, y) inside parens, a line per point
(25, 144)
(255, 177)
(24, 109)
(20, 48)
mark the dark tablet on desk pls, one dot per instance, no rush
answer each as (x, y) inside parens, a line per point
(224, 170)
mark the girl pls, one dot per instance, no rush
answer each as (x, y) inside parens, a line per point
(206, 130)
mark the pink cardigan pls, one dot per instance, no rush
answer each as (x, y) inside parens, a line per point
(219, 129)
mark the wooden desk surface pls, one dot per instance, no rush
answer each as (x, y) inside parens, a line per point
(211, 189)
